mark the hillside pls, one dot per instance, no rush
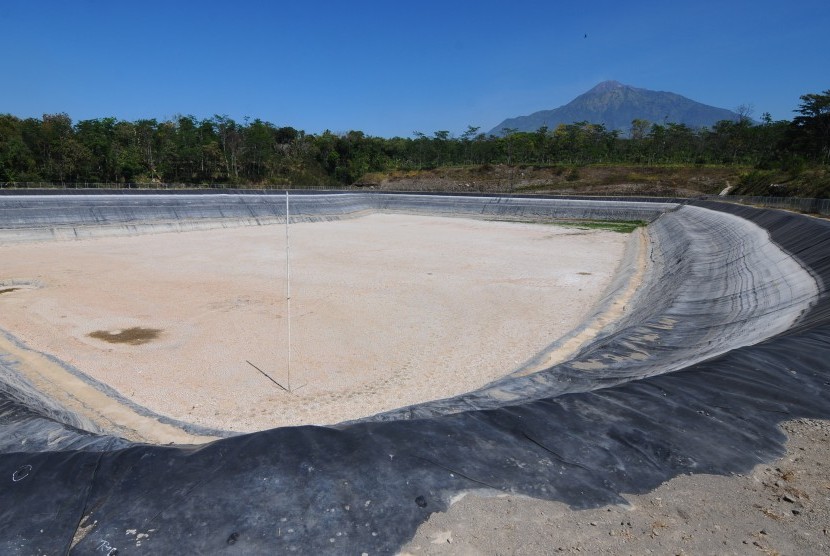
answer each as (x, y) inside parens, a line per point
(606, 180)
(615, 105)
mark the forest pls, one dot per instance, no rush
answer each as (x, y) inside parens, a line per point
(219, 150)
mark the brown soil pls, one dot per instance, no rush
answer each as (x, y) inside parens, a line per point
(662, 181)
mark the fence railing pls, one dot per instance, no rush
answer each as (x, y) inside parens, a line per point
(799, 204)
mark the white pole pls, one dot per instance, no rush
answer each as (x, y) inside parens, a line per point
(288, 288)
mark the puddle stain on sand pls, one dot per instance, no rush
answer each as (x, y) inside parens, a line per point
(135, 336)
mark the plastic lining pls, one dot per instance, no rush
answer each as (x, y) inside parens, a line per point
(729, 335)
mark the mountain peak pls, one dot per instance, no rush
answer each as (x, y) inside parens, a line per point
(606, 86)
(615, 105)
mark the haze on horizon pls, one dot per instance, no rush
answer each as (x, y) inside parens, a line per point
(389, 69)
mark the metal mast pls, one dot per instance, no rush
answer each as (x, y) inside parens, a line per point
(288, 288)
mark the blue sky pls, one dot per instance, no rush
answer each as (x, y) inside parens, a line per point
(391, 68)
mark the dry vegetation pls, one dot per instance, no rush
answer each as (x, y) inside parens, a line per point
(612, 180)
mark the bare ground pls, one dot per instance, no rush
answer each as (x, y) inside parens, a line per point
(387, 311)
(780, 508)
(610, 180)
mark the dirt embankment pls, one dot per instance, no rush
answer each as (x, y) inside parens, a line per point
(561, 180)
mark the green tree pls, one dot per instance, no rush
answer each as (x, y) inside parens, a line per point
(258, 148)
(64, 155)
(509, 133)
(639, 129)
(541, 144)
(230, 140)
(145, 131)
(98, 137)
(441, 146)
(466, 139)
(17, 163)
(812, 126)
(129, 162)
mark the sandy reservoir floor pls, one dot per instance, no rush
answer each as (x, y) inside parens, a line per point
(386, 311)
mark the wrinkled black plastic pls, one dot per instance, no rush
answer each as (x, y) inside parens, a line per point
(366, 486)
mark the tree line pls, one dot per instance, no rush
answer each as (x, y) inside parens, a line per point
(214, 150)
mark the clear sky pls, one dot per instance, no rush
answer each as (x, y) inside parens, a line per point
(393, 67)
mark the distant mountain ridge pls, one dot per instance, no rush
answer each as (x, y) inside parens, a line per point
(615, 105)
